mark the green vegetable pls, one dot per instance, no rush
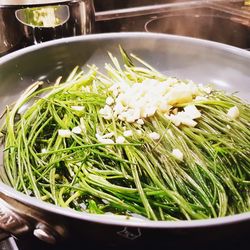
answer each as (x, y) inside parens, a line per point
(45, 159)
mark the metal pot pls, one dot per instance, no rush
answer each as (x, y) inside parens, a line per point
(28, 22)
(199, 60)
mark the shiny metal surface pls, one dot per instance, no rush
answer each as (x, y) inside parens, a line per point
(29, 2)
(44, 17)
(146, 10)
(9, 244)
(24, 23)
(10, 221)
(193, 18)
(3, 46)
(200, 24)
(44, 235)
(18, 219)
(10, 32)
(225, 66)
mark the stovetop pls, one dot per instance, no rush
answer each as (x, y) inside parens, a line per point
(103, 5)
(175, 242)
(220, 21)
(158, 16)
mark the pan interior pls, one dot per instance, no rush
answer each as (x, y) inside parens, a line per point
(204, 62)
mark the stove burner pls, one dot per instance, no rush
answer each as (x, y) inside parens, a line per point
(210, 27)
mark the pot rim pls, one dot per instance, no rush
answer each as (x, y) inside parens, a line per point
(116, 219)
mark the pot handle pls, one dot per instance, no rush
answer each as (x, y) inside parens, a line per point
(44, 16)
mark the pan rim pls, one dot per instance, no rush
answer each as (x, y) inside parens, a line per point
(89, 37)
(121, 220)
(104, 219)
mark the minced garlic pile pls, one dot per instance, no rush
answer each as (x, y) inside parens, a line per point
(134, 103)
(141, 100)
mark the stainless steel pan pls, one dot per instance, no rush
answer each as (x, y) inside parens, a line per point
(200, 60)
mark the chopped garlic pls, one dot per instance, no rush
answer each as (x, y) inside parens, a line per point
(66, 133)
(188, 121)
(185, 117)
(120, 139)
(140, 122)
(154, 136)
(131, 115)
(106, 141)
(174, 119)
(109, 100)
(44, 150)
(78, 108)
(164, 107)
(233, 113)
(127, 133)
(108, 135)
(182, 118)
(177, 154)
(148, 110)
(180, 93)
(192, 111)
(77, 130)
(119, 108)
(106, 112)
(132, 103)
(138, 132)
(98, 136)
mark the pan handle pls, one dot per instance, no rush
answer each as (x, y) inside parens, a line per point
(4, 235)
(18, 219)
(11, 222)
